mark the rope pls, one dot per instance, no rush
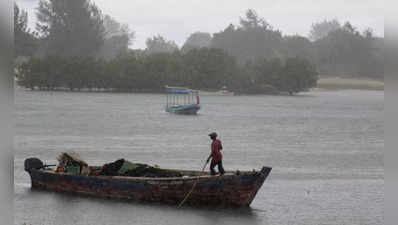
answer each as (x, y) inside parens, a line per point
(193, 187)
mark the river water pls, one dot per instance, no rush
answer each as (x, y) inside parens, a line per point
(326, 150)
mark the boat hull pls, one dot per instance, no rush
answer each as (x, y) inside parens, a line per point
(184, 109)
(227, 190)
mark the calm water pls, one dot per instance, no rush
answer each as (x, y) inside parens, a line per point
(326, 149)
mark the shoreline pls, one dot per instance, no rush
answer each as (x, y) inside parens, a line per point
(324, 84)
(337, 83)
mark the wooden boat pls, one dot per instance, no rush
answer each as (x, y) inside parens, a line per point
(181, 100)
(231, 189)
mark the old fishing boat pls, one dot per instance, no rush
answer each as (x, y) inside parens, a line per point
(149, 184)
(181, 100)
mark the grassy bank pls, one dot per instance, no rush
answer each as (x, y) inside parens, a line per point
(336, 83)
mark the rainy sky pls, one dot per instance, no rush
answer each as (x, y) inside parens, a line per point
(177, 19)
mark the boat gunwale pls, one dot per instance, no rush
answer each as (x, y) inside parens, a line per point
(228, 174)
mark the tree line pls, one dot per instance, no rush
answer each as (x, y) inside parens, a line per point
(76, 47)
(204, 69)
(335, 49)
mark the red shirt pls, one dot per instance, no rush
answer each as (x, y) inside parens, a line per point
(216, 150)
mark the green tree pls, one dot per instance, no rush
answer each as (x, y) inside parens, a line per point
(159, 44)
(298, 46)
(252, 20)
(196, 40)
(297, 75)
(209, 68)
(25, 42)
(117, 38)
(322, 29)
(70, 28)
(163, 69)
(265, 71)
(253, 39)
(346, 52)
(27, 73)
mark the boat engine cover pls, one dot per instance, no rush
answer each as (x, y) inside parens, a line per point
(33, 163)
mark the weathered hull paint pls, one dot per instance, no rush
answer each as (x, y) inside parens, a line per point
(185, 109)
(227, 190)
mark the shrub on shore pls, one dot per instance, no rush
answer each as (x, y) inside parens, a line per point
(333, 83)
(205, 68)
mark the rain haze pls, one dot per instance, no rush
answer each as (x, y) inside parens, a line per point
(198, 112)
(176, 20)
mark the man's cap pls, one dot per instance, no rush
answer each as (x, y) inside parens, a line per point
(213, 134)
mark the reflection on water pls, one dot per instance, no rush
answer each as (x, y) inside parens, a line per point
(72, 209)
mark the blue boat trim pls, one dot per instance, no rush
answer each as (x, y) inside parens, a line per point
(183, 109)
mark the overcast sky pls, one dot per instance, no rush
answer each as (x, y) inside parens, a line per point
(177, 19)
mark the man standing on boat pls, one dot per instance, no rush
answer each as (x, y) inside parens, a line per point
(215, 155)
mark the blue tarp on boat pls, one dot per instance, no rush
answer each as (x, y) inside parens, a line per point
(178, 91)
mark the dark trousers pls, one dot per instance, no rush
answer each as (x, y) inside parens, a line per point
(220, 168)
